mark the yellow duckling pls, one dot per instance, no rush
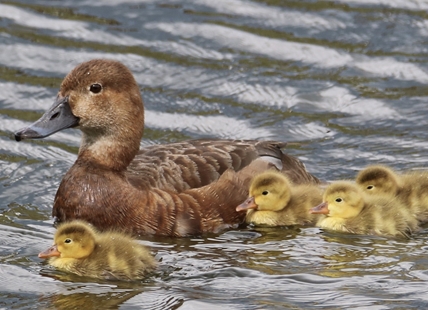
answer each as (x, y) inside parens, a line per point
(379, 179)
(80, 249)
(273, 201)
(410, 188)
(348, 209)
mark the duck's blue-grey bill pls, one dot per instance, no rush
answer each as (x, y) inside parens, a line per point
(58, 117)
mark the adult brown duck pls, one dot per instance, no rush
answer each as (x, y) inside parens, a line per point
(178, 189)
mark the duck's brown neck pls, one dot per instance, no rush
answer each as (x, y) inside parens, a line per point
(111, 152)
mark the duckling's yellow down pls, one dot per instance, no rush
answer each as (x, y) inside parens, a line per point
(80, 249)
(274, 201)
(347, 208)
(411, 188)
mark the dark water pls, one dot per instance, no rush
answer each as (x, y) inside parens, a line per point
(344, 80)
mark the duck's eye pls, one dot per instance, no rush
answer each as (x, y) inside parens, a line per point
(265, 193)
(68, 240)
(95, 88)
(338, 200)
(370, 187)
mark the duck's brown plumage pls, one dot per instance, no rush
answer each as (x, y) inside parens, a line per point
(410, 187)
(80, 249)
(348, 209)
(172, 190)
(274, 201)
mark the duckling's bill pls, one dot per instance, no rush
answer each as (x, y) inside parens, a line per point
(248, 204)
(322, 208)
(51, 252)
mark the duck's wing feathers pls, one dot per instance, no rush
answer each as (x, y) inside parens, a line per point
(196, 163)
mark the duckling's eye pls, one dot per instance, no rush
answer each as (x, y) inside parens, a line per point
(338, 199)
(95, 88)
(68, 240)
(265, 193)
(370, 187)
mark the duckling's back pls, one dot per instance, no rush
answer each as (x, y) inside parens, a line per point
(117, 256)
(303, 198)
(383, 216)
(417, 187)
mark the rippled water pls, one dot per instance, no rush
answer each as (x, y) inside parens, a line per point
(345, 81)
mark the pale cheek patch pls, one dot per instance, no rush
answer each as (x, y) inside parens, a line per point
(100, 145)
(102, 148)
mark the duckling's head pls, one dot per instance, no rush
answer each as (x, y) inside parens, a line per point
(74, 239)
(342, 200)
(269, 191)
(378, 179)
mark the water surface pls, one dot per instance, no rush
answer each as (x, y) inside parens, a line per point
(344, 81)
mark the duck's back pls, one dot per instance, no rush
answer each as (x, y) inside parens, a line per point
(196, 163)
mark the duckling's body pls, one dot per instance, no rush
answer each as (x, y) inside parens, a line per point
(410, 188)
(348, 209)
(417, 181)
(80, 249)
(274, 201)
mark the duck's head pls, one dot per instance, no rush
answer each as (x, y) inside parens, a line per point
(378, 179)
(269, 191)
(74, 239)
(342, 200)
(102, 98)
